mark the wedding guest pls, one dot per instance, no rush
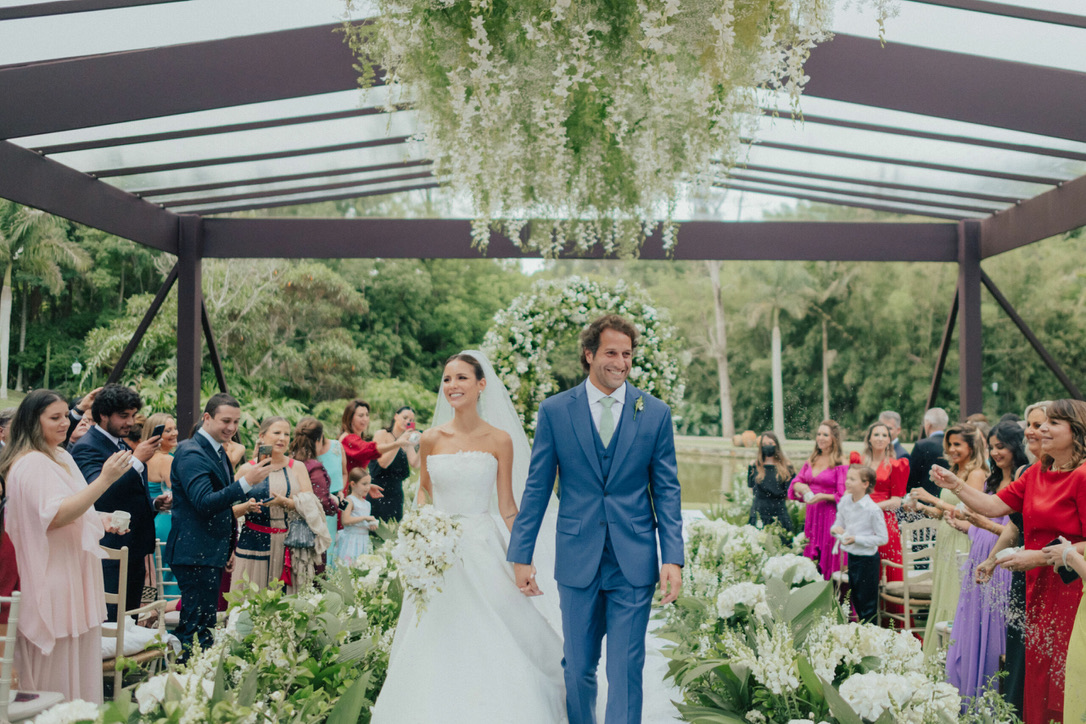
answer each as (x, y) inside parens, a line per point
(892, 420)
(261, 553)
(357, 521)
(769, 477)
(79, 415)
(358, 450)
(979, 635)
(891, 477)
(114, 411)
(1013, 685)
(9, 568)
(394, 467)
(158, 478)
(820, 484)
(55, 531)
(861, 527)
(204, 491)
(1052, 498)
(968, 455)
(5, 422)
(928, 451)
(308, 436)
(330, 454)
(1074, 702)
(980, 421)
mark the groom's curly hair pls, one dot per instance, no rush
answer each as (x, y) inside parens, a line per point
(590, 337)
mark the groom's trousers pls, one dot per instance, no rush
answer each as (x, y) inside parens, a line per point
(609, 605)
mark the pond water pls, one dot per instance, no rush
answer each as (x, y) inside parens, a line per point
(705, 478)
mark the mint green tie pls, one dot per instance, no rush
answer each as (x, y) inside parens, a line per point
(607, 421)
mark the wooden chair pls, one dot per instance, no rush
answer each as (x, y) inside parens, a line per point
(913, 592)
(150, 655)
(173, 617)
(27, 703)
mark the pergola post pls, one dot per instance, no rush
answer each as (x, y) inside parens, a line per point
(189, 305)
(970, 348)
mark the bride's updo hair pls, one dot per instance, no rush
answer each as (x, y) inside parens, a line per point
(461, 357)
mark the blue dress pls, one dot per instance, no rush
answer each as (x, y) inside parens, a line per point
(354, 539)
(163, 523)
(333, 465)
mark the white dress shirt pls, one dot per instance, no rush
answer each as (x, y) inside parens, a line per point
(864, 521)
(137, 464)
(595, 394)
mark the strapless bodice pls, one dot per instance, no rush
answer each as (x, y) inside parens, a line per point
(463, 482)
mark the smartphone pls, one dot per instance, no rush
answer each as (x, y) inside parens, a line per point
(1067, 575)
(263, 452)
(21, 696)
(157, 432)
(410, 425)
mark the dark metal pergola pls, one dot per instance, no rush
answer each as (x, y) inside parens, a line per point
(1006, 169)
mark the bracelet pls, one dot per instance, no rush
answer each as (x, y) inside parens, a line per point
(1066, 550)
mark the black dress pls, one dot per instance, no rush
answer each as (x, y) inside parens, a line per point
(1014, 683)
(390, 505)
(769, 497)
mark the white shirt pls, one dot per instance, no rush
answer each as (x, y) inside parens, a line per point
(595, 394)
(864, 521)
(217, 447)
(137, 464)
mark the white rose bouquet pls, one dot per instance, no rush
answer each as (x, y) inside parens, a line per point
(427, 545)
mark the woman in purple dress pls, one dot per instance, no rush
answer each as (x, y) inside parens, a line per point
(978, 635)
(820, 484)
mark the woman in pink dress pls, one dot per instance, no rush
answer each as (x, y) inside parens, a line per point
(820, 484)
(55, 531)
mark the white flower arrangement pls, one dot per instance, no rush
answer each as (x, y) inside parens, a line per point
(911, 698)
(587, 117)
(427, 545)
(528, 330)
(750, 595)
(804, 569)
(197, 690)
(69, 713)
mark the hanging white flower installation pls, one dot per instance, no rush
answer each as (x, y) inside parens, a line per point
(587, 118)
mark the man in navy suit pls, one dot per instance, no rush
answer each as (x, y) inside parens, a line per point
(114, 411)
(929, 451)
(613, 448)
(892, 420)
(204, 492)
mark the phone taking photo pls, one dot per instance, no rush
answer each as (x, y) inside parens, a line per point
(157, 432)
(263, 453)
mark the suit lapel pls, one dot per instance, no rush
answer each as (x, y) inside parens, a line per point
(626, 429)
(216, 460)
(581, 419)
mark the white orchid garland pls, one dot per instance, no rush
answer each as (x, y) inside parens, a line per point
(555, 110)
(525, 333)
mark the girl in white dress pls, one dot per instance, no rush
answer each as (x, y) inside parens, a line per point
(479, 624)
(354, 539)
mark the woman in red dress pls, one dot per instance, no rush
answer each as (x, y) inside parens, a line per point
(891, 477)
(358, 452)
(1051, 495)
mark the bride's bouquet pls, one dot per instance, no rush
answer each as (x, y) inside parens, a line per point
(427, 545)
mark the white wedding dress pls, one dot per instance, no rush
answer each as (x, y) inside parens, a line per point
(481, 652)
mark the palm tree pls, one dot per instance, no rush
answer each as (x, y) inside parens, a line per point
(778, 287)
(829, 284)
(718, 347)
(37, 244)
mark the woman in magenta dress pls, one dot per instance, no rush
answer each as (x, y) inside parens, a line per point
(820, 484)
(1051, 495)
(51, 519)
(979, 636)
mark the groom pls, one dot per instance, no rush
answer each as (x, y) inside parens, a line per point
(612, 447)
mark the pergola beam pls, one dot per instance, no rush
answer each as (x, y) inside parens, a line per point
(1020, 12)
(32, 180)
(64, 7)
(274, 193)
(838, 201)
(960, 87)
(362, 238)
(205, 211)
(1054, 212)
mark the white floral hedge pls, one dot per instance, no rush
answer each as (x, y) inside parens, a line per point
(534, 324)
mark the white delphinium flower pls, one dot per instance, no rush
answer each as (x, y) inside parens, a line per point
(68, 712)
(426, 547)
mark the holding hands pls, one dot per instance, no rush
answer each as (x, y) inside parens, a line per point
(525, 573)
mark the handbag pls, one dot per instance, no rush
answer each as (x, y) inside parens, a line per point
(299, 535)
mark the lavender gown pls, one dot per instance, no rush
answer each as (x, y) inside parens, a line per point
(979, 633)
(819, 518)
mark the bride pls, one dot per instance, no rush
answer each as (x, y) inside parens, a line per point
(482, 651)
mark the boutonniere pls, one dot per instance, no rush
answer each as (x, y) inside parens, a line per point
(639, 405)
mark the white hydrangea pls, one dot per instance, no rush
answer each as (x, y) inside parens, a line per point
(911, 698)
(196, 689)
(805, 569)
(69, 712)
(751, 595)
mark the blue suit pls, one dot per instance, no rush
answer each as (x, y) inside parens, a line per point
(614, 502)
(129, 493)
(199, 545)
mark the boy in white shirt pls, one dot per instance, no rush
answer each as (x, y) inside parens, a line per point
(861, 528)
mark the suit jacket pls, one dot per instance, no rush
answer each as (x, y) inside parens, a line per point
(129, 493)
(639, 498)
(926, 452)
(900, 452)
(202, 498)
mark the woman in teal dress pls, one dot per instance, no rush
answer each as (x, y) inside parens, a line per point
(965, 449)
(158, 481)
(330, 454)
